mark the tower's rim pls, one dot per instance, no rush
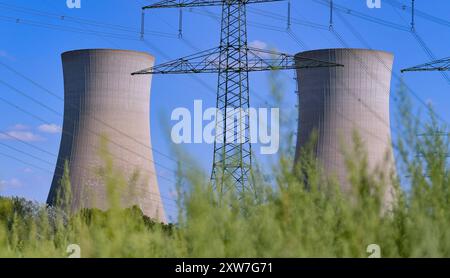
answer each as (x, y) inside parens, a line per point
(344, 49)
(105, 50)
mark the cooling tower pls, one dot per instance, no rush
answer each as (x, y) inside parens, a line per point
(336, 102)
(103, 100)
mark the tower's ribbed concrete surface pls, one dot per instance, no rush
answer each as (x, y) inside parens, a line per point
(340, 100)
(103, 99)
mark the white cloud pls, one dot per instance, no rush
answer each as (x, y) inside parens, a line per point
(258, 44)
(20, 132)
(27, 136)
(28, 170)
(50, 128)
(262, 46)
(20, 127)
(12, 183)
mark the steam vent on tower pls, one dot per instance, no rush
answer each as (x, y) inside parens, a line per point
(103, 100)
(339, 101)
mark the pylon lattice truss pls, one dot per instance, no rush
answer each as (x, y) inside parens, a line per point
(232, 61)
(202, 3)
(209, 61)
(438, 65)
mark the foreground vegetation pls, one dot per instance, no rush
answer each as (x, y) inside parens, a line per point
(298, 214)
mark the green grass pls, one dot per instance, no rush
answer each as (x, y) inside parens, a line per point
(301, 214)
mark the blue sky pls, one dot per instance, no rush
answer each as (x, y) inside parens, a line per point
(34, 34)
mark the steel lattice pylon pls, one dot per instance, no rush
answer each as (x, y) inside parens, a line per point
(232, 159)
(232, 60)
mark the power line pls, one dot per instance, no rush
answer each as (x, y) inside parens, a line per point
(348, 11)
(389, 24)
(430, 54)
(216, 17)
(342, 115)
(419, 13)
(96, 33)
(27, 154)
(44, 121)
(295, 38)
(17, 20)
(93, 23)
(407, 87)
(283, 18)
(116, 157)
(45, 161)
(24, 162)
(233, 62)
(43, 88)
(361, 39)
(420, 41)
(69, 104)
(73, 121)
(15, 138)
(362, 63)
(398, 78)
(145, 145)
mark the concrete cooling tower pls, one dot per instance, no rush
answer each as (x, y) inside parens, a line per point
(337, 101)
(102, 99)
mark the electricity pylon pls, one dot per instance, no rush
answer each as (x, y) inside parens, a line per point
(232, 61)
(438, 65)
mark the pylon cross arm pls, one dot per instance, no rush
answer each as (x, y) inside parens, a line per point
(210, 61)
(201, 3)
(439, 65)
(203, 62)
(265, 60)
